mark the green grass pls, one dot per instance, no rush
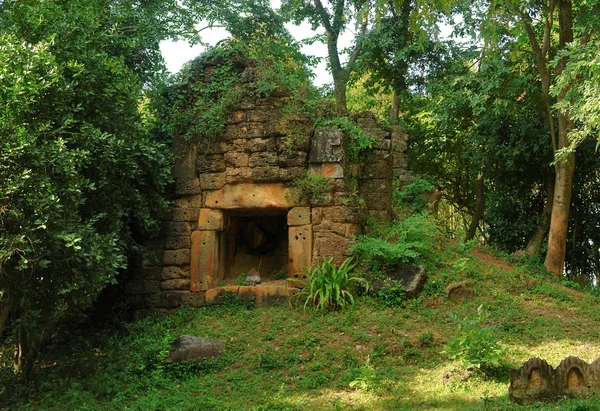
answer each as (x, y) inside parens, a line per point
(280, 358)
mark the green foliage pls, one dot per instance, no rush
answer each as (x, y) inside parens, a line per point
(311, 186)
(365, 377)
(81, 177)
(404, 242)
(474, 343)
(329, 285)
(359, 142)
(414, 195)
(391, 294)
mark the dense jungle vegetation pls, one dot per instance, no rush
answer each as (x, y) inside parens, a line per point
(503, 115)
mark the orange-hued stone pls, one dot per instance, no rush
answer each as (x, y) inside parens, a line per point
(329, 170)
(251, 196)
(204, 260)
(300, 248)
(210, 219)
(298, 216)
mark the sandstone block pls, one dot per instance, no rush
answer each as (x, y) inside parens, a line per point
(300, 243)
(299, 216)
(352, 230)
(211, 163)
(141, 287)
(175, 284)
(204, 266)
(327, 146)
(188, 201)
(265, 174)
(236, 159)
(238, 175)
(252, 196)
(262, 159)
(185, 186)
(185, 158)
(328, 244)
(329, 170)
(328, 226)
(192, 299)
(260, 144)
(175, 229)
(176, 257)
(215, 295)
(211, 220)
(291, 173)
(186, 214)
(262, 116)
(212, 181)
(176, 243)
(217, 147)
(174, 272)
(316, 215)
(293, 159)
(341, 214)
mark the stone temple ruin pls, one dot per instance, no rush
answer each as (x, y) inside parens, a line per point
(235, 207)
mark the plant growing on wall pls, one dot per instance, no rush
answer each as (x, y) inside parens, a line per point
(311, 186)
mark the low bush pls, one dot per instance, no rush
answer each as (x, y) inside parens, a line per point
(474, 343)
(329, 285)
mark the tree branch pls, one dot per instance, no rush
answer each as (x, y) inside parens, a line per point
(323, 15)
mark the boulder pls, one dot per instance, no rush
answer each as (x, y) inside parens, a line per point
(188, 348)
(459, 291)
(411, 277)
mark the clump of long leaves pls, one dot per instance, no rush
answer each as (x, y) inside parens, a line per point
(329, 285)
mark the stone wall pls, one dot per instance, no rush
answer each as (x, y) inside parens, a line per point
(249, 169)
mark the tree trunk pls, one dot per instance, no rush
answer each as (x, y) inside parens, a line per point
(4, 311)
(339, 92)
(395, 110)
(565, 168)
(559, 222)
(479, 207)
(534, 247)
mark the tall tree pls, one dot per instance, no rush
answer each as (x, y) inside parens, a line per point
(334, 17)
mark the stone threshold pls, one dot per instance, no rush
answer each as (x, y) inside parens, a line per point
(260, 294)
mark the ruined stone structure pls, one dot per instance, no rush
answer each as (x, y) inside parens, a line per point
(235, 207)
(537, 381)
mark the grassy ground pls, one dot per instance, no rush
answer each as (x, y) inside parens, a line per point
(280, 358)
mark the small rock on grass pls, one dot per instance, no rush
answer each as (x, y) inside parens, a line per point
(187, 348)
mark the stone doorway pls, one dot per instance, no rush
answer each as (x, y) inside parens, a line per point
(255, 239)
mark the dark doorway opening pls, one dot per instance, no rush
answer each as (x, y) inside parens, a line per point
(255, 240)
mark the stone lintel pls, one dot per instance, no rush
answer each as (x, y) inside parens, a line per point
(251, 196)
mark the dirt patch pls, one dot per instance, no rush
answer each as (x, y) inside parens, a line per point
(488, 258)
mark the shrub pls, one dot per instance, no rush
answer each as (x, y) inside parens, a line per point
(328, 285)
(403, 242)
(473, 343)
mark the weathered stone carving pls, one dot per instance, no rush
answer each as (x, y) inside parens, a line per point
(537, 381)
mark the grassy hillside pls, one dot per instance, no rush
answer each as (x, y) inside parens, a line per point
(280, 358)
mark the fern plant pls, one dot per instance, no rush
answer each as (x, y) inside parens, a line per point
(328, 285)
